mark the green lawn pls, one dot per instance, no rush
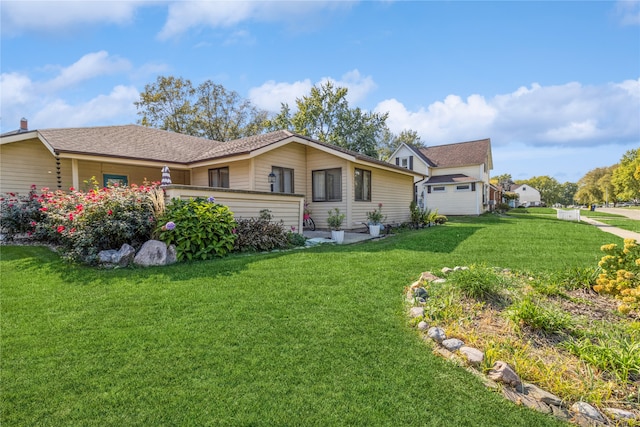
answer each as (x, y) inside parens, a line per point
(299, 338)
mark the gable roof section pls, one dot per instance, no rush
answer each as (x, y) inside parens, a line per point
(459, 154)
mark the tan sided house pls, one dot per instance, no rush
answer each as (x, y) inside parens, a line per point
(457, 176)
(276, 171)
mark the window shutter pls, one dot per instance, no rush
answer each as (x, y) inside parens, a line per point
(473, 186)
(429, 189)
(397, 161)
(411, 162)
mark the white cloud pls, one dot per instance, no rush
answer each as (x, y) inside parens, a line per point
(224, 14)
(101, 110)
(570, 114)
(628, 11)
(46, 102)
(53, 16)
(272, 94)
(89, 66)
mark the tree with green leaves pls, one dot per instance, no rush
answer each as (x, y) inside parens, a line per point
(567, 191)
(504, 181)
(389, 142)
(325, 115)
(626, 177)
(209, 110)
(590, 186)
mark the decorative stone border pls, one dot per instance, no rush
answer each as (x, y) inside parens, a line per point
(501, 377)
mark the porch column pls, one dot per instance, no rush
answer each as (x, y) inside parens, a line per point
(75, 181)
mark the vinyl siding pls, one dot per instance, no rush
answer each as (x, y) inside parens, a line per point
(28, 162)
(394, 191)
(246, 204)
(135, 174)
(318, 160)
(238, 174)
(453, 202)
(292, 156)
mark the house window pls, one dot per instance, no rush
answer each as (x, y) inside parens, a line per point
(362, 183)
(219, 177)
(110, 180)
(284, 179)
(438, 188)
(405, 162)
(465, 187)
(327, 185)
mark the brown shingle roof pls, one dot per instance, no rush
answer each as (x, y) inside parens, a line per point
(129, 141)
(459, 154)
(144, 143)
(448, 179)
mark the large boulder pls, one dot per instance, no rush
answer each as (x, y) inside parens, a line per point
(155, 252)
(121, 258)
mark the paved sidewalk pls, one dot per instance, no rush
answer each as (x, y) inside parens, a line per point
(625, 234)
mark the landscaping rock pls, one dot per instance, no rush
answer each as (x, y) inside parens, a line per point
(583, 408)
(154, 253)
(523, 399)
(473, 355)
(452, 344)
(416, 312)
(502, 372)
(420, 293)
(446, 270)
(436, 334)
(439, 281)
(541, 395)
(621, 414)
(423, 326)
(428, 276)
(121, 258)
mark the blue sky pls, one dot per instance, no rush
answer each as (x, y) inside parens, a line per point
(555, 85)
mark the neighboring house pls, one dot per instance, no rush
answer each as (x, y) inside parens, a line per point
(457, 176)
(276, 171)
(527, 196)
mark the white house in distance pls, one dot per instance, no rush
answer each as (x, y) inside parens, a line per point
(457, 176)
(527, 195)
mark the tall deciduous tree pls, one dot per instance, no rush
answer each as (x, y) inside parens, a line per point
(208, 111)
(168, 104)
(626, 177)
(549, 188)
(567, 192)
(589, 188)
(325, 115)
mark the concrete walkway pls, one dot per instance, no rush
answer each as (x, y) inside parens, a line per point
(625, 234)
(349, 237)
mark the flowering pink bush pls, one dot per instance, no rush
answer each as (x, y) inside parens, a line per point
(84, 223)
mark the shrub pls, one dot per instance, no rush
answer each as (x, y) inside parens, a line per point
(260, 234)
(620, 275)
(296, 239)
(83, 224)
(20, 214)
(502, 207)
(440, 219)
(199, 228)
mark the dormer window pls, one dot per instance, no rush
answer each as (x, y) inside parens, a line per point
(405, 162)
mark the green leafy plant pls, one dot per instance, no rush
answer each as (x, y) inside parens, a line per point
(335, 219)
(440, 219)
(528, 312)
(376, 216)
(478, 282)
(199, 228)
